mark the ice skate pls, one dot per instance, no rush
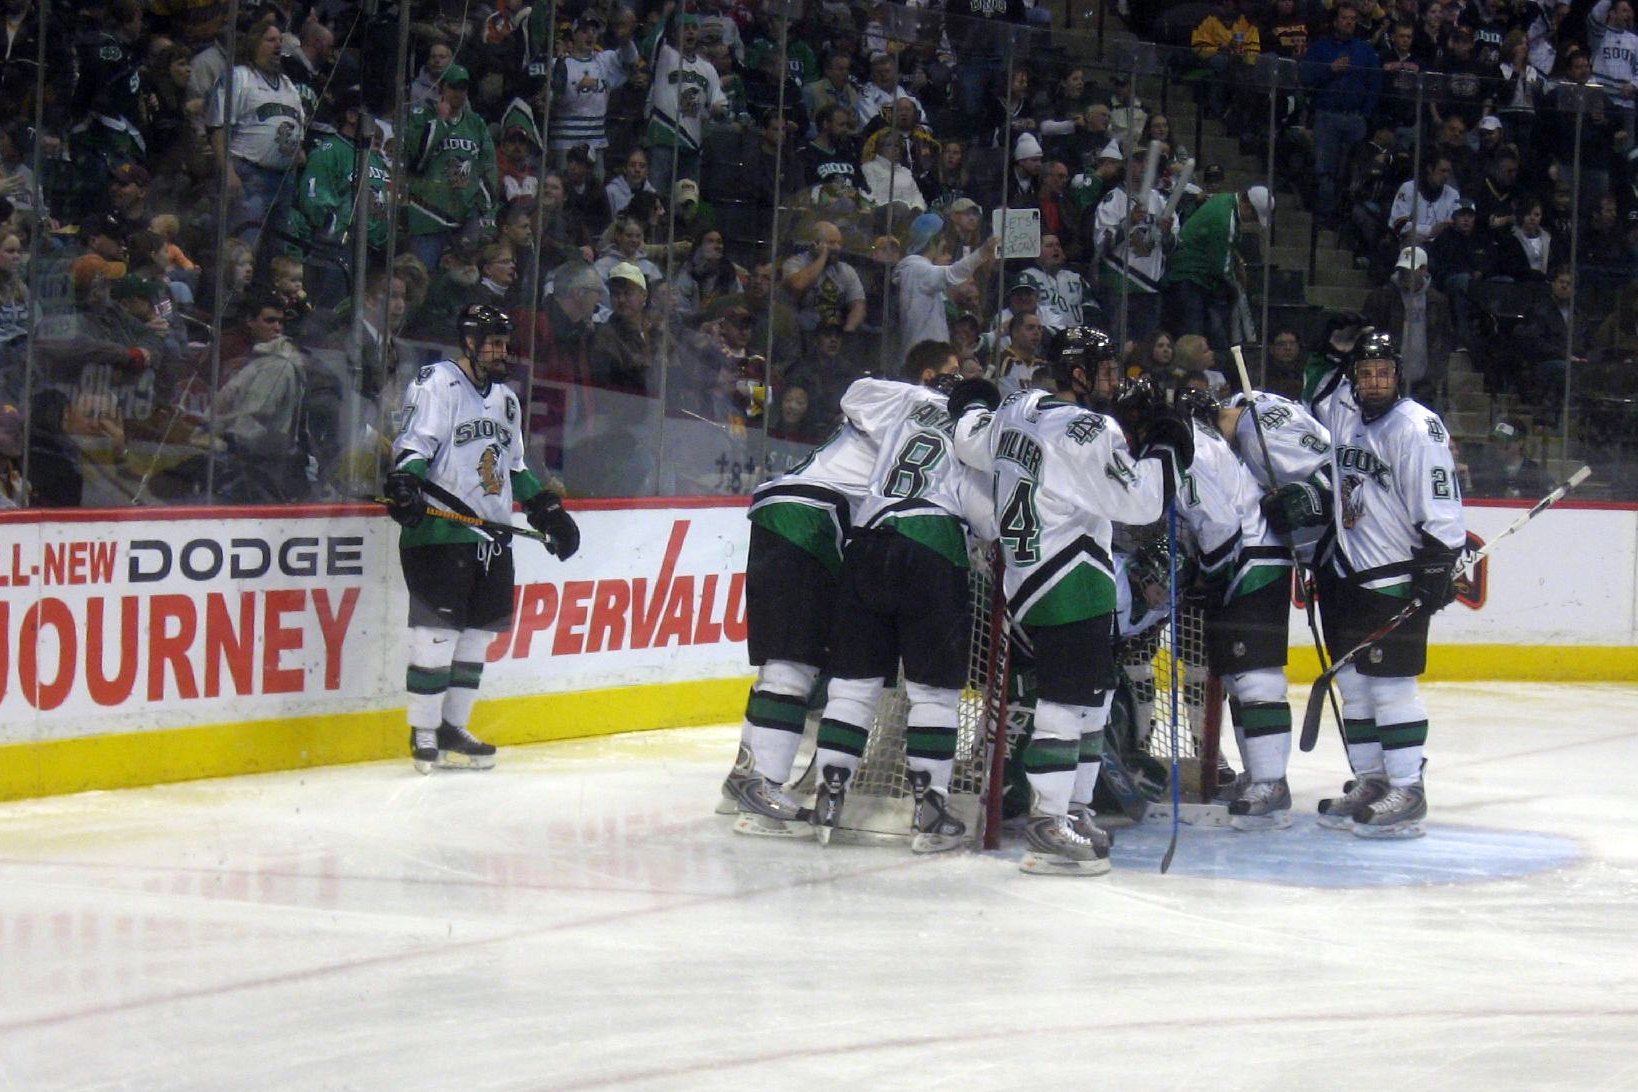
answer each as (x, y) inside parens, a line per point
(765, 811)
(1085, 820)
(424, 749)
(1337, 812)
(1262, 805)
(1229, 784)
(827, 802)
(728, 803)
(936, 830)
(459, 749)
(1058, 848)
(1398, 814)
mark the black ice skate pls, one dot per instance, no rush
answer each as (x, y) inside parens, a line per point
(936, 830)
(827, 803)
(459, 749)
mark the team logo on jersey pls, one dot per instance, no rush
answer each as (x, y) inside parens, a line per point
(1353, 501)
(489, 470)
(424, 374)
(458, 172)
(1085, 428)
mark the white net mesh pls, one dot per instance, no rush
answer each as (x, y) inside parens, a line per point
(1147, 663)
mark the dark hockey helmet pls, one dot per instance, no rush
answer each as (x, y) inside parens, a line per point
(1090, 349)
(1138, 402)
(1375, 347)
(477, 323)
(1202, 405)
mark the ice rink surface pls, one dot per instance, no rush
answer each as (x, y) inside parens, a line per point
(578, 919)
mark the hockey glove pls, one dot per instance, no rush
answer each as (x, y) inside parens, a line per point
(971, 392)
(547, 515)
(1294, 506)
(1433, 579)
(403, 493)
(1170, 432)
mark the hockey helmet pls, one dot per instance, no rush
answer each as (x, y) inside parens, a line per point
(1093, 351)
(1138, 402)
(477, 323)
(1375, 346)
(1202, 405)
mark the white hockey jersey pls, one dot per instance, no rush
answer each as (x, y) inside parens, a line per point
(1115, 235)
(815, 503)
(580, 104)
(1299, 446)
(919, 488)
(1237, 552)
(471, 440)
(1393, 487)
(1061, 476)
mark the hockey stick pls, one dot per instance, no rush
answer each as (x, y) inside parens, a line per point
(1311, 715)
(1296, 563)
(478, 522)
(1171, 614)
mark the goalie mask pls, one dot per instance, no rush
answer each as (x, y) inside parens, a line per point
(479, 322)
(1374, 373)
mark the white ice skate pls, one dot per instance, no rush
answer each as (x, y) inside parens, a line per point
(744, 767)
(1262, 805)
(1337, 812)
(1058, 848)
(766, 812)
(1398, 814)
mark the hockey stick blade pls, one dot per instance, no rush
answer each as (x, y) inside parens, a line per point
(475, 521)
(1316, 696)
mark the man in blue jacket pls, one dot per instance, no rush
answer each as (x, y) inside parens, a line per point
(1344, 76)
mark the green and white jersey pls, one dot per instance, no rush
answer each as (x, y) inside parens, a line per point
(468, 442)
(1127, 251)
(683, 93)
(452, 169)
(267, 120)
(815, 502)
(921, 490)
(1061, 478)
(1237, 552)
(580, 95)
(1299, 447)
(324, 198)
(1394, 488)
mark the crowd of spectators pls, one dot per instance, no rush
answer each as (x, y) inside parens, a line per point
(690, 225)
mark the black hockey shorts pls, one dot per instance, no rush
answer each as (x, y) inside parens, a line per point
(899, 600)
(1074, 662)
(459, 585)
(1251, 631)
(790, 599)
(1352, 613)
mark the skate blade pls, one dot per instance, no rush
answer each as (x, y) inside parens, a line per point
(1044, 865)
(1393, 831)
(823, 833)
(936, 843)
(449, 760)
(1343, 823)
(763, 826)
(1274, 820)
(727, 805)
(425, 766)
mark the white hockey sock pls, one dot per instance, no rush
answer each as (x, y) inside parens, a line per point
(1359, 723)
(465, 673)
(1090, 759)
(1262, 721)
(939, 769)
(1401, 728)
(1053, 756)
(930, 731)
(775, 715)
(432, 650)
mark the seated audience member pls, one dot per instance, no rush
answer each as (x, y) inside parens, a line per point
(1502, 469)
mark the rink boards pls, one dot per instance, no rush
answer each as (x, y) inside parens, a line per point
(146, 646)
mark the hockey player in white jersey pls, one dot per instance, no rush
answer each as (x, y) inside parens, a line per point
(461, 446)
(903, 596)
(1398, 526)
(1061, 474)
(1246, 572)
(800, 522)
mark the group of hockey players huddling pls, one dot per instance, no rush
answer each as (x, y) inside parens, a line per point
(859, 563)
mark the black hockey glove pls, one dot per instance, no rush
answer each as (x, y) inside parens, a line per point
(1170, 432)
(547, 515)
(403, 493)
(1294, 506)
(1433, 579)
(971, 392)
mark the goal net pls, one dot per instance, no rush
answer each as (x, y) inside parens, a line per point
(879, 803)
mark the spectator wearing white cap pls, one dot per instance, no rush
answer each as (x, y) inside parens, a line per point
(1026, 170)
(1203, 275)
(619, 352)
(926, 273)
(1419, 316)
